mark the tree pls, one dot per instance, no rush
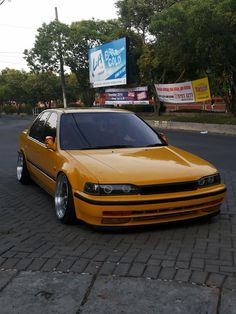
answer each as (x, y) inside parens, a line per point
(42, 87)
(72, 88)
(174, 52)
(30, 88)
(195, 38)
(82, 37)
(44, 56)
(136, 14)
(12, 85)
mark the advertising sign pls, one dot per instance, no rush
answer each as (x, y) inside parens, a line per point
(201, 89)
(127, 96)
(193, 91)
(107, 64)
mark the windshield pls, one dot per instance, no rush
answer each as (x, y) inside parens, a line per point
(97, 130)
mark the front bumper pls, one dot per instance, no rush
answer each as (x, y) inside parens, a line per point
(139, 210)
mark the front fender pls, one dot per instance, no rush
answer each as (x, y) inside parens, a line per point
(76, 172)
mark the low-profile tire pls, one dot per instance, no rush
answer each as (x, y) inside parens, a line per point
(64, 203)
(22, 172)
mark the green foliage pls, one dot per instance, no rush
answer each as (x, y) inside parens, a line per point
(206, 118)
(12, 85)
(30, 88)
(42, 87)
(199, 117)
(136, 14)
(44, 56)
(9, 109)
(81, 38)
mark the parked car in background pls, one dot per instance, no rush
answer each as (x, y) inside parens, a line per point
(107, 167)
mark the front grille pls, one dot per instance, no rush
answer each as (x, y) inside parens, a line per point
(161, 214)
(165, 216)
(168, 188)
(162, 211)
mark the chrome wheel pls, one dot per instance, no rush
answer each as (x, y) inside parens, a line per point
(61, 196)
(22, 173)
(20, 166)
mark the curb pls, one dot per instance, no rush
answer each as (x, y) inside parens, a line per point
(189, 126)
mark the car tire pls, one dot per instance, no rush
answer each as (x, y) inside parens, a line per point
(22, 172)
(64, 203)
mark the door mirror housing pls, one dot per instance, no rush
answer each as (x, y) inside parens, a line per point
(163, 137)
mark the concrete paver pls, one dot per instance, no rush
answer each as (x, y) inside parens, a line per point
(228, 297)
(6, 277)
(34, 292)
(139, 295)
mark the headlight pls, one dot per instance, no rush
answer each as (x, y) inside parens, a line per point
(110, 189)
(209, 180)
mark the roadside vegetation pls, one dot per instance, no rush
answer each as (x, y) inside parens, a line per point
(204, 117)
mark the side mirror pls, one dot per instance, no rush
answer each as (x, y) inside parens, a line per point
(163, 137)
(49, 141)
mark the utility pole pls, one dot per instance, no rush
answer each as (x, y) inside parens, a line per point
(62, 74)
(2, 1)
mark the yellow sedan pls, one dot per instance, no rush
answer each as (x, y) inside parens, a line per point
(107, 167)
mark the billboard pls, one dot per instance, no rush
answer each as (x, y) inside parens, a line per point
(187, 92)
(127, 96)
(107, 64)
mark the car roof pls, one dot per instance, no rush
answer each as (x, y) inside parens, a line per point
(87, 109)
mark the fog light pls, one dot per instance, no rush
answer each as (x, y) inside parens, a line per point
(116, 221)
(117, 213)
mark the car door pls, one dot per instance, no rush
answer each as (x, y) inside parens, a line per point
(40, 159)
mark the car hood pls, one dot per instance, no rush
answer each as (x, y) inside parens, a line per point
(143, 165)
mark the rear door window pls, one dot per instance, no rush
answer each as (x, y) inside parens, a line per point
(37, 129)
(51, 126)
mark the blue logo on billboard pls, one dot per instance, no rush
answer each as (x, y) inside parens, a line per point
(98, 63)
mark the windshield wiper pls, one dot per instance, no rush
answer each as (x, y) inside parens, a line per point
(155, 145)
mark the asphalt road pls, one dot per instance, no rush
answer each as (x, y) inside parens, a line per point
(10, 128)
(217, 149)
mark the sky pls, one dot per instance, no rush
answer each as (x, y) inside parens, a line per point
(20, 19)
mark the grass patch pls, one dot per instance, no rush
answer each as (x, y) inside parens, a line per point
(213, 118)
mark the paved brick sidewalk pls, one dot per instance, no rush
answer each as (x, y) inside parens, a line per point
(203, 252)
